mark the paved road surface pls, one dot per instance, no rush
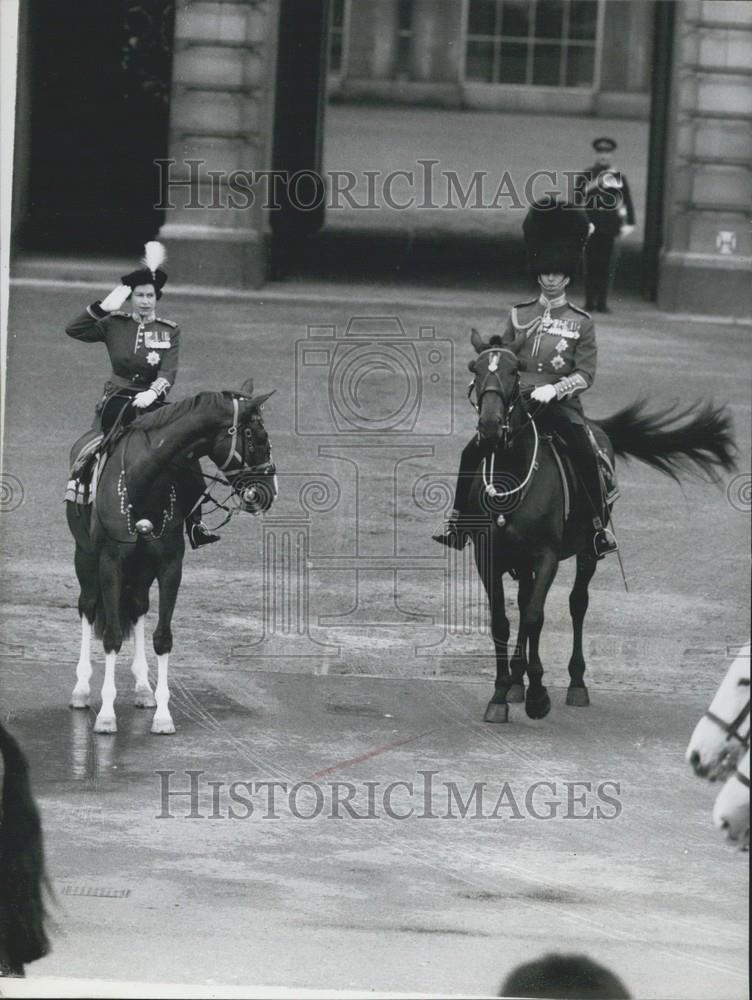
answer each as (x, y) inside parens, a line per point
(378, 690)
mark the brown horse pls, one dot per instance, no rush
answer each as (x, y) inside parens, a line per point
(517, 505)
(132, 535)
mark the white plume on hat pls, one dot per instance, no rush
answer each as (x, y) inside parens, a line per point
(154, 256)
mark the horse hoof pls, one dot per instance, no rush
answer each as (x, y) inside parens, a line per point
(105, 724)
(496, 712)
(578, 696)
(79, 700)
(516, 694)
(537, 706)
(144, 698)
(163, 727)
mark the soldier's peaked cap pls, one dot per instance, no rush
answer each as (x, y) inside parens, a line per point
(604, 145)
(555, 234)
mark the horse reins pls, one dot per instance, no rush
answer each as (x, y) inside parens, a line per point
(490, 489)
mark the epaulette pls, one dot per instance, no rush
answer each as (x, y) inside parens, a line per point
(529, 302)
(580, 311)
(119, 312)
(167, 322)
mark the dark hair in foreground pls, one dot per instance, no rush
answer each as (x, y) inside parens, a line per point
(22, 878)
(564, 977)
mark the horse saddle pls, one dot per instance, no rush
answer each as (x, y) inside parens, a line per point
(570, 478)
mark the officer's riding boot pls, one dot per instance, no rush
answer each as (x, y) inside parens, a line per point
(451, 533)
(587, 466)
(193, 490)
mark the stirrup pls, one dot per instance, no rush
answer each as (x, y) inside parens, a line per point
(199, 534)
(604, 542)
(451, 534)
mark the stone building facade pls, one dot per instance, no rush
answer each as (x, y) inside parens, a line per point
(243, 84)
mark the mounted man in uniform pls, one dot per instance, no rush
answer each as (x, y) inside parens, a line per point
(143, 350)
(555, 344)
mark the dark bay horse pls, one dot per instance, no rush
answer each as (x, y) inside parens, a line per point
(517, 504)
(133, 533)
(23, 937)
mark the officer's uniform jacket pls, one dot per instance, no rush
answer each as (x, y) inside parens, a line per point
(555, 344)
(144, 355)
(608, 208)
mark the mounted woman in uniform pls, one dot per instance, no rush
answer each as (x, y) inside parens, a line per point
(144, 354)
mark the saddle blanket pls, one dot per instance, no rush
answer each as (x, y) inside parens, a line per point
(82, 485)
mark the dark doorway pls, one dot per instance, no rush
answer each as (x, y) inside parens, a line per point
(297, 143)
(99, 118)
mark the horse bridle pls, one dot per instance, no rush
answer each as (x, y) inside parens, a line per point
(484, 388)
(265, 469)
(731, 729)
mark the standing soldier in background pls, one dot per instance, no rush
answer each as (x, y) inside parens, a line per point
(603, 192)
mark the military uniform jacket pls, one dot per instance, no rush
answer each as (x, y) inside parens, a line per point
(607, 208)
(555, 346)
(144, 355)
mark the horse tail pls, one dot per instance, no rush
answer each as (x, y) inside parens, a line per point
(22, 874)
(699, 437)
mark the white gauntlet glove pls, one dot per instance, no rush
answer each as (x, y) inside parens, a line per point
(116, 298)
(626, 230)
(144, 399)
(543, 394)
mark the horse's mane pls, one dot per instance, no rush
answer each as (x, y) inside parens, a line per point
(22, 874)
(168, 414)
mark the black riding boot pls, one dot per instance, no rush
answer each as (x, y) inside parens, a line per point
(586, 462)
(451, 533)
(192, 488)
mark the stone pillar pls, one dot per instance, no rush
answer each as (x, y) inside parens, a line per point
(22, 136)
(705, 263)
(436, 41)
(372, 43)
(221, 115)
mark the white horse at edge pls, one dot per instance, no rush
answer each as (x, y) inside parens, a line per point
(719, 747)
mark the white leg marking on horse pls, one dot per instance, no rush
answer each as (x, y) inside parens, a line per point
(143, 696)
(162, 723)
(106, 719)
(80, 695)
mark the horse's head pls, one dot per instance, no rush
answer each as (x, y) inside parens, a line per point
(242, 451)
(497, 388)
(722, 733)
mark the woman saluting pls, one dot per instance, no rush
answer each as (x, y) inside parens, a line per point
(143, 350)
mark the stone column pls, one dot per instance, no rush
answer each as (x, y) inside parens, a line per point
(372, 42)
(436, 41)
(221, 119)
(705, 263)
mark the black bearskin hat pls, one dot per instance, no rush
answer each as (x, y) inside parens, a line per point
(150, 273)
(555, 235)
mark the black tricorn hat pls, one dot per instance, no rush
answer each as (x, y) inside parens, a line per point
(555, 235)
(150, 272)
